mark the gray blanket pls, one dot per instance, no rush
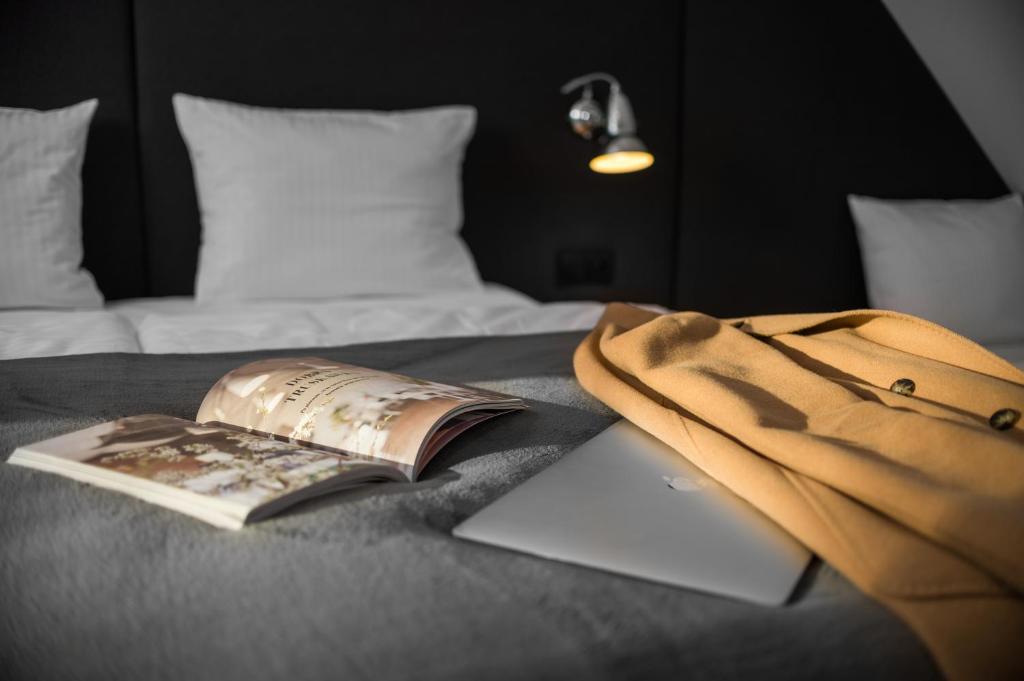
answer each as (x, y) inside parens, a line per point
(369, 584)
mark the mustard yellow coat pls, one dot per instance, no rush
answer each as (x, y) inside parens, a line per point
(885, 443)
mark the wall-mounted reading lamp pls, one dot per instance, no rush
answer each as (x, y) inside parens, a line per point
(621, 150)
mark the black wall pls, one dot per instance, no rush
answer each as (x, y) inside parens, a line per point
(788, 107)
(762, 117)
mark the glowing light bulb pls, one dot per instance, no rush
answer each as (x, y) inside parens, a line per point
(618, 162)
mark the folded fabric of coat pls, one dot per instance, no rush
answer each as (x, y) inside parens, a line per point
(890, 446)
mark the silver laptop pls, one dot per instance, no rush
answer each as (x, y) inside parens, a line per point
(628, 503)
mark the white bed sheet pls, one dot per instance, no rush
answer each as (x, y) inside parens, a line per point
(44, 333)
(179, 325)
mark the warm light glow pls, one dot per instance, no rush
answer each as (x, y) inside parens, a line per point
(621, 162)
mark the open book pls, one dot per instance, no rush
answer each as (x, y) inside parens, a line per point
(269, 434)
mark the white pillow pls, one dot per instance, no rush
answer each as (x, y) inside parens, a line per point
(317, 204)
(957, 263)
(41, 155)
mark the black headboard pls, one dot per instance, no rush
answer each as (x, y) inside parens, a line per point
(762, 116)
(57, 53)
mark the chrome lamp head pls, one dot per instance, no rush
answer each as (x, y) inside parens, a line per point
(586, 117)
(621, 150)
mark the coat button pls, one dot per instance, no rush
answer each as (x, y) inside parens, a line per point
(903, 386)
(1004, 419)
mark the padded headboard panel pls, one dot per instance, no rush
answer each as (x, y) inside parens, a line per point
(528, 193)
(60, 52)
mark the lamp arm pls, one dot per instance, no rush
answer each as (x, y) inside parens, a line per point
(589, 78)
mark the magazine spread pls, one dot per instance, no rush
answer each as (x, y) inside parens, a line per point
(348, 408)
(270, 434)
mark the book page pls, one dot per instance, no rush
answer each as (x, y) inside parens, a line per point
(223, 466)
(340, 406)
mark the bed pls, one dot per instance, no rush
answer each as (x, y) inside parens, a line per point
(370, 583)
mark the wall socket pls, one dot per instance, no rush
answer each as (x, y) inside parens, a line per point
(584, 267)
